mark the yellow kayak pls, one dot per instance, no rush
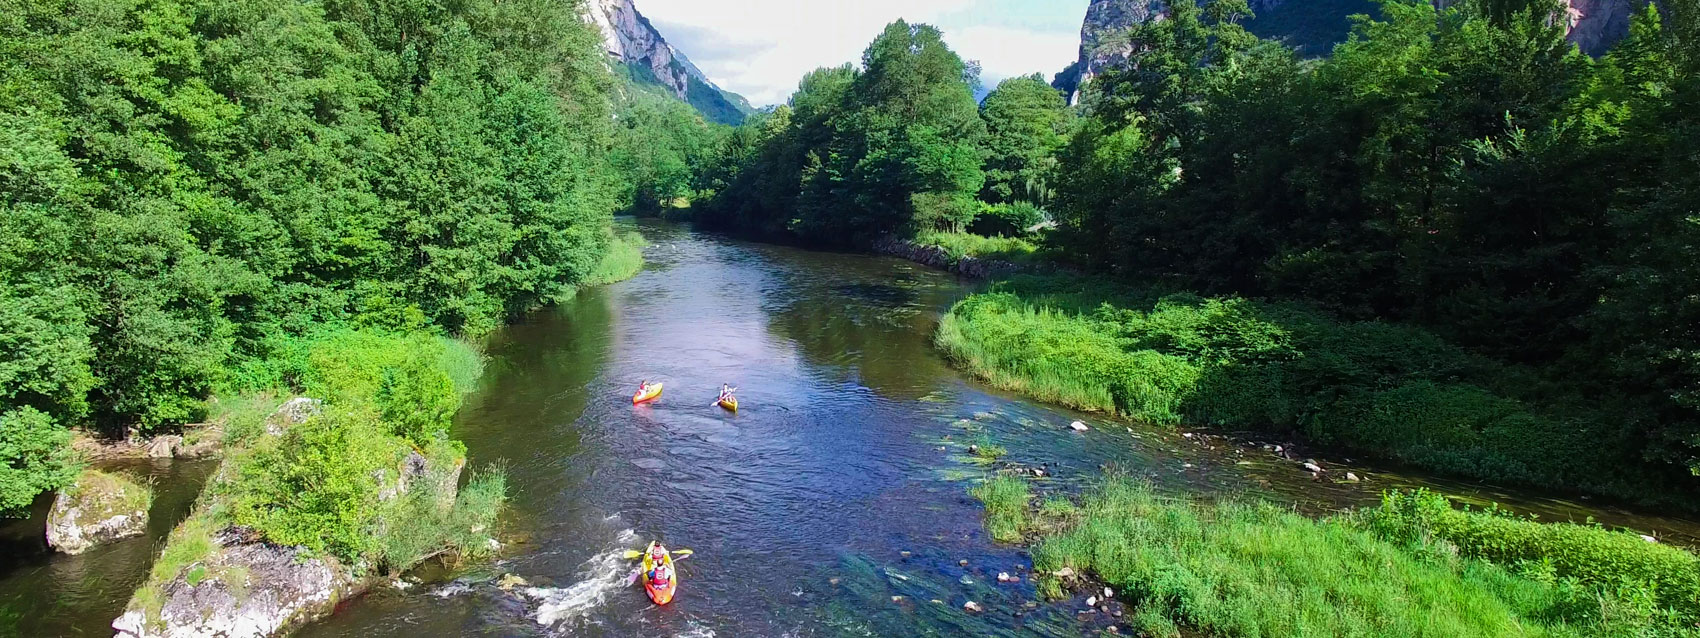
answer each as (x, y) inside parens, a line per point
(647, 394)
(730, 403)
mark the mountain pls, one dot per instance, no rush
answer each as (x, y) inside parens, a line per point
(1311, 26)
(637, 48)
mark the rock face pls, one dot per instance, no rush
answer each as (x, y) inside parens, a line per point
(292, 413)
(1593, 25)
(243, 589)
(629, 38)
(100, 507)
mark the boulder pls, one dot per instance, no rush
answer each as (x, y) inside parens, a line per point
(99, 507)
(242, 589)
(164, 447)
(293, 412)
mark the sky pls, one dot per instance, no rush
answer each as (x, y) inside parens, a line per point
(761, 48)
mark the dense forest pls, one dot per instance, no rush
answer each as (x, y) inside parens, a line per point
(194, 189)
(1464, 177)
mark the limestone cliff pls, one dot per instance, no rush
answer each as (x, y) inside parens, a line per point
(638, 48)
(1312, 26)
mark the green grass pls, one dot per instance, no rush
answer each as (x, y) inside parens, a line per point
(960, 244)
(986, 450)
(105, 494)
(623, 260)
(1234, 569)
(1006, 499)
(1388, 391)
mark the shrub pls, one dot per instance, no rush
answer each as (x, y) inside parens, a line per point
(401, 377)
(35, 457)
(960, 245)
(950, 211)
(318, 485)
(1007, 220)
(1606, 560)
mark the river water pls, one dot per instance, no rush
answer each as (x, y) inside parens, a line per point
(834, 504)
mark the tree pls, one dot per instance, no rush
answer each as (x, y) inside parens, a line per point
(1026, 123)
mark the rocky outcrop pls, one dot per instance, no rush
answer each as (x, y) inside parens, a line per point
(243, 588)
(970, 267)
(1593, 25)
(630, 39)
(292, 413)
(98, 508)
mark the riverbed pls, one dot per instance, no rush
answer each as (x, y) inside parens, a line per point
(833, 504)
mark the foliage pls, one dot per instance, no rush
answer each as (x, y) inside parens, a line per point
(1393, 392)
(891, 147)
(1014, 219)
(1593, 556)
(623, 261)
(1026, 125)
(35, 457)
(1237, 569)
(401, 379)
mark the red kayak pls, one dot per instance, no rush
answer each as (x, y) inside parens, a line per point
(661, 593)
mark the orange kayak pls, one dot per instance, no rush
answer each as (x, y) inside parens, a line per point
(660, 593)
(648, 394)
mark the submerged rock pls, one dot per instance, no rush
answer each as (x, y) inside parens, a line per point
(164, 447)
(1079, 426)
(243, 588)
(99, 507)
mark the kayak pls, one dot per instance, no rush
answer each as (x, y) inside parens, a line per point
(661, 594)
(730, 403)
(643, 395)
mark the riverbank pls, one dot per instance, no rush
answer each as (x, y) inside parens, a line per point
(320, 495)
(1392, 392)
(1413, 566)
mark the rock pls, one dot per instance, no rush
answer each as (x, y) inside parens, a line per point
(1109, 593)
(904, 553)
(1313, 468)
(973, 449)
(937, 601)
(1352, 478)
(1279, 449)
(1113, 629)
(1038, 472)
(164, 447)
(972, 606)
(1091, 601)
(1066, 572)
(896, 599)
(966, 580)
(833, 581)
(1187, 435)
(417, 472)
(509, 581)
(1003, 577)
(98, 508)
(1079, 426)
(242, 589)
(293, 412)
(1649, 538)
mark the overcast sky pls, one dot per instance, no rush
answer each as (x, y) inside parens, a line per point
(760, 48)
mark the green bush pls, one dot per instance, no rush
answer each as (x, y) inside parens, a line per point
(960, 245)
(318, 486)
(1007, 220)
(35, 457)
(1606, 560)
(402, 377)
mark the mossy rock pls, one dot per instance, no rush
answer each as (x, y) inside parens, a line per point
(98, 508)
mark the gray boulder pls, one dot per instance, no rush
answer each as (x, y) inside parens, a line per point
(243, 589)
(98, 508)
(294, 412)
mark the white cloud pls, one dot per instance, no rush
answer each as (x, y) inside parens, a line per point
(760, 48)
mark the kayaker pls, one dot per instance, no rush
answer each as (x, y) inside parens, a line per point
(661, 573)
(726, 391)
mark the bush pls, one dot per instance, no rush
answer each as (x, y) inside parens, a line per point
(1602, 559)
(1007, 220)
(401, 377)
(317, 486)
(35, 457)
(949, 211)
(623, 260)
(960, 245)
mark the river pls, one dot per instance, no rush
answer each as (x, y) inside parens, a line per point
(834, 504)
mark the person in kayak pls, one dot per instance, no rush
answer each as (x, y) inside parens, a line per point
(725, 392)
(661, 574)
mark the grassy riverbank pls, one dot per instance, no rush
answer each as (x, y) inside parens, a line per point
(623, 260)
(1413, 567)
(368, 481)
(1394, 392)
(959, 245)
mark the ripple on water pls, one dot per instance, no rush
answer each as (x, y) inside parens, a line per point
(602, 575)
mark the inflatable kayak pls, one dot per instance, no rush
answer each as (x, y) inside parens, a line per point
(661, 593)
(730, 403)
(647, 394)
